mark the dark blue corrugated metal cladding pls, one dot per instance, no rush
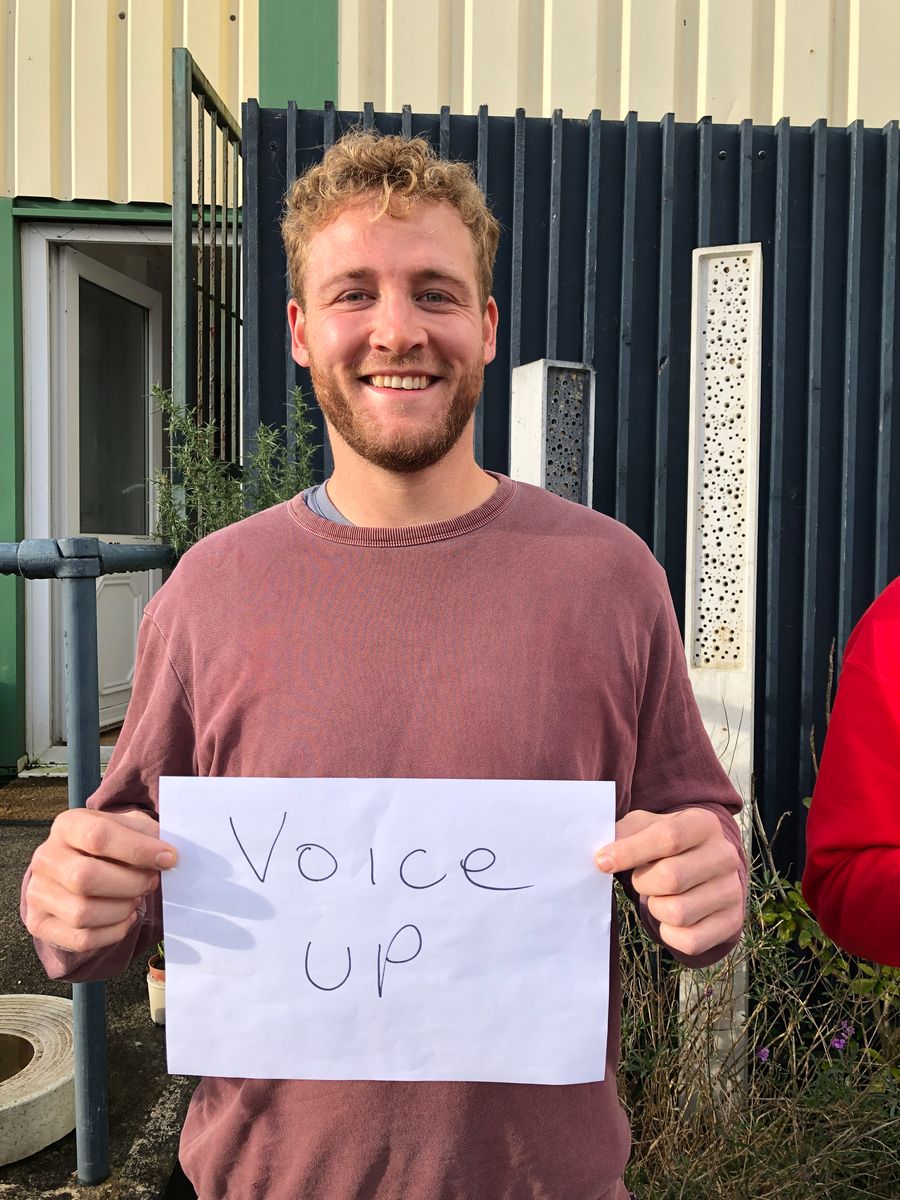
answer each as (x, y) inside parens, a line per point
(599, 220)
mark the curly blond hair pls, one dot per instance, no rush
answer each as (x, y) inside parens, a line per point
(395, 172)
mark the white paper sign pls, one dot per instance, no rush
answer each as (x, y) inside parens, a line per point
(387, 928)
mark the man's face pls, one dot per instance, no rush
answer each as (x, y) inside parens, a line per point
(393, 333)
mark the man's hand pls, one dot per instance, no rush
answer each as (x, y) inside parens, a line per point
(91, 877)
(687, 869)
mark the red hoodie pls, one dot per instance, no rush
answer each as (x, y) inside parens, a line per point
(852, 876)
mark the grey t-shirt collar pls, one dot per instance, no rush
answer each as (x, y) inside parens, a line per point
(317, 501)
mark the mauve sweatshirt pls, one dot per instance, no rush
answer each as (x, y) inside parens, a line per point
(530, 638)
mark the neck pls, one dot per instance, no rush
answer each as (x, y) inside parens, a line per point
(369, 495)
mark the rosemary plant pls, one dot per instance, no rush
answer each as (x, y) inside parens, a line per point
(201, 493)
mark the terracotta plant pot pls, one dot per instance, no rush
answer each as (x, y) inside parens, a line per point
(156, 988)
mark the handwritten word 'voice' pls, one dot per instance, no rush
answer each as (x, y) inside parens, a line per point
(316, 863)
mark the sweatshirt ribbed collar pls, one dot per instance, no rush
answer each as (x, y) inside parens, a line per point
(405, 535)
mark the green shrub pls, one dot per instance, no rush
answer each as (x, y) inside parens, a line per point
(201, 493)
(802, 1101)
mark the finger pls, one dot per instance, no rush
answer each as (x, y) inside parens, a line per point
(112, 836)
(664, 837)
(50, 929)
(633, 822)
(703, 935)
(673, 876)
(717, 895)
(83, 875)
(137, 819)
(78, 912)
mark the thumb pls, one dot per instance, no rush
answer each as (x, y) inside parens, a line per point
(137, 819)
(635, 821)
(140, 821)
(632, 823)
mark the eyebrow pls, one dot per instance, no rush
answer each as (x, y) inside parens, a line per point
(425, 275)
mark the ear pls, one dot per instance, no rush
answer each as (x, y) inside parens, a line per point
(297, 325)
(489, 329)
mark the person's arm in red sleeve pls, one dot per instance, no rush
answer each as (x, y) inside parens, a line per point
(852, 875)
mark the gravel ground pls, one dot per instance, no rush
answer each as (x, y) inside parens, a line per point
(146, 1105)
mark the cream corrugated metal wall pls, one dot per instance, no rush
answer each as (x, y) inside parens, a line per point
(85, 97)
(728, 59)
(85, 89)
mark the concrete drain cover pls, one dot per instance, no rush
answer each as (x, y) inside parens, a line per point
(37, 1074)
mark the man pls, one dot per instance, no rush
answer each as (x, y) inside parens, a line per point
(418, 617)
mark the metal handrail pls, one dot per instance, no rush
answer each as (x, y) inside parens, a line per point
(77, 562)
(49, 558)
(206, 288)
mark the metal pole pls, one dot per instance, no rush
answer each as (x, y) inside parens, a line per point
(183, 301)
(77, 562)
(79, 595)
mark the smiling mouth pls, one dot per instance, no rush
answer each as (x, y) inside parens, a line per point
(405, 383)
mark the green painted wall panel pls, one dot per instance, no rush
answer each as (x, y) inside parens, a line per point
(91, 210)
(12, 596)
(298, 49)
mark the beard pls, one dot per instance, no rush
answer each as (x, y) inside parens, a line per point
(404, 453)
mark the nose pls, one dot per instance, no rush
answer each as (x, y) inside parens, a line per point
(397, 326)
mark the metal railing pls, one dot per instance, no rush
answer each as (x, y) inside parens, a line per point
(206, 265)
(77, 563)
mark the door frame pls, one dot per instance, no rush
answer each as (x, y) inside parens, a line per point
(74, 265)
(68, 464)
(42, 345)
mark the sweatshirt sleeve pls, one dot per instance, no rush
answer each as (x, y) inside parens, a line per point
(157, 738)
(676, 766)
(852, 875)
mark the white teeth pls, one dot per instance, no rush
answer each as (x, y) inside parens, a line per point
(405, 383)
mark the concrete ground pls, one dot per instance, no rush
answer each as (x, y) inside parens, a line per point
(146, 1105)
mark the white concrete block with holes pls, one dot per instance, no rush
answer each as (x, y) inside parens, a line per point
(723, 459)
(723, 480)
(551, 427)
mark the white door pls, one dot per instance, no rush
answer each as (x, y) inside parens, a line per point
(111, 343)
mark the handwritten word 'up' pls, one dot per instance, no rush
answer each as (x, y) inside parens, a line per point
(381, 964)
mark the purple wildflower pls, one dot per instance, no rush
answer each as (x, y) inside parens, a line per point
(847, 1029)
(763, 1054)
(838, 1043)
